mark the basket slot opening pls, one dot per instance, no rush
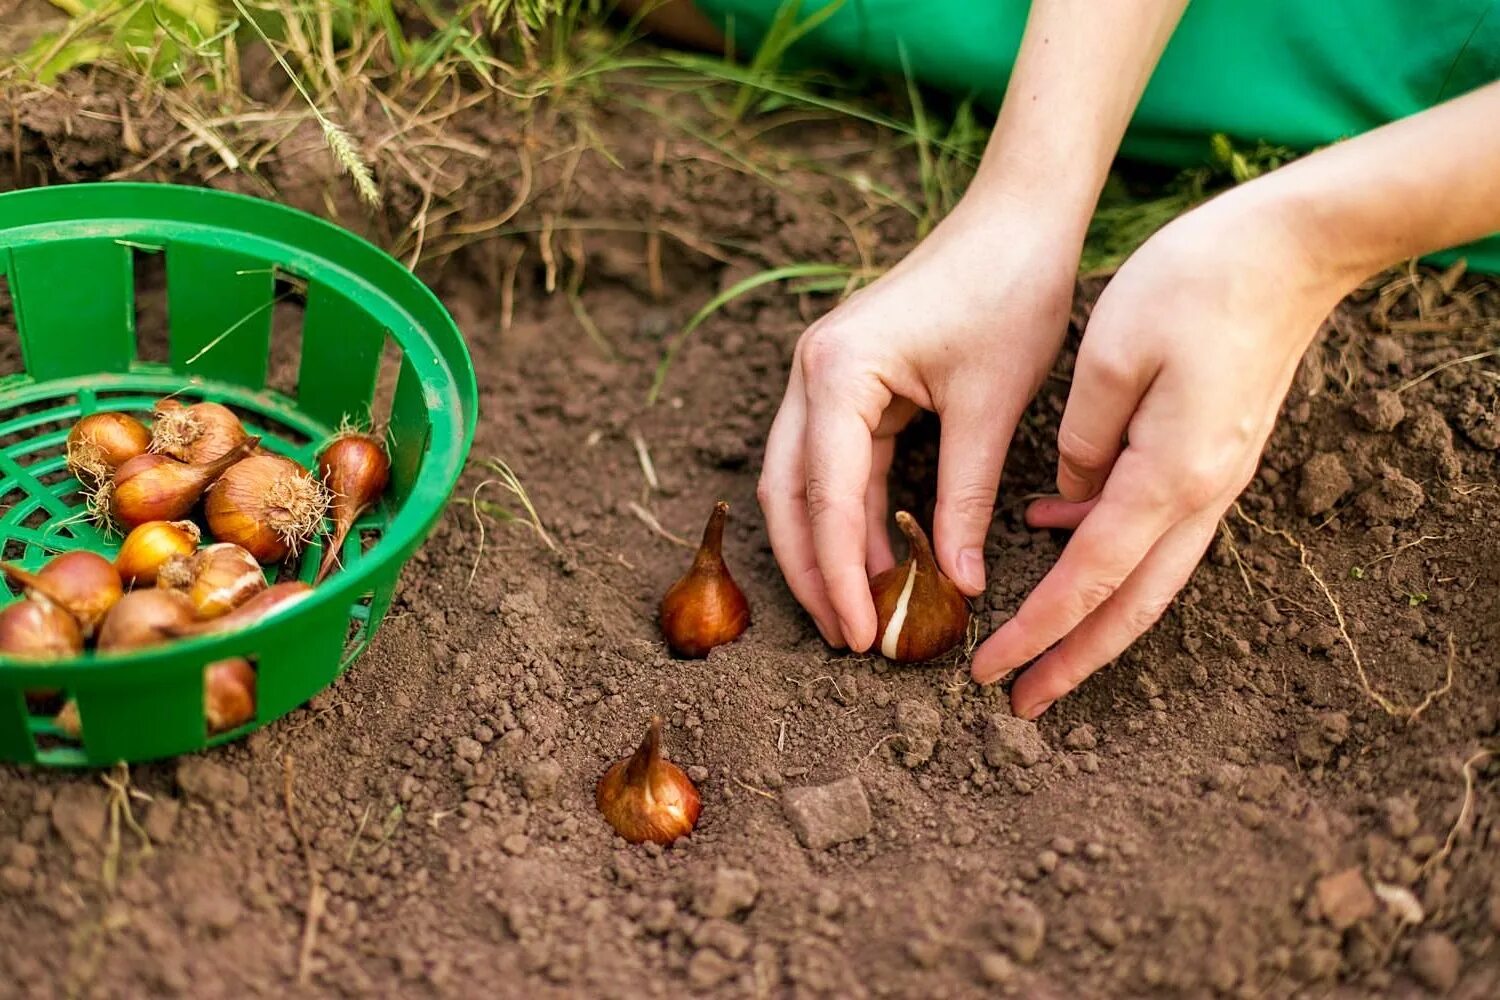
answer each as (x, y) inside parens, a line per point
(12, 551)
(289, 315)
(10, 338)
(10, 495)
(153, 342)
(386, 378)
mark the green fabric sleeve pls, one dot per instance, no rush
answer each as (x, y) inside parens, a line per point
(1296, 73)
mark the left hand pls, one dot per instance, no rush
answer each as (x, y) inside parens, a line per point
(1188, 355)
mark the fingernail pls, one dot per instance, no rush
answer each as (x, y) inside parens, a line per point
(1036, 710)
(971, 568)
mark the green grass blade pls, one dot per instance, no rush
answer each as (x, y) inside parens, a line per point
(728, 295)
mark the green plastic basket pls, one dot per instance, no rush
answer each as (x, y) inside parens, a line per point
(68, 258)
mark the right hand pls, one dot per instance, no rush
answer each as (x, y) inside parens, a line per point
(967, 326)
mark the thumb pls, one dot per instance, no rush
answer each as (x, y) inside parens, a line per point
(971, 452)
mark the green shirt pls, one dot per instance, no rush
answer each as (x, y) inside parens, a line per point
(1296, 73)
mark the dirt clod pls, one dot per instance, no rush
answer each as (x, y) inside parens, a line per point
(1435, 961)
(1379, 410)
(1010, 740)
(1081, 738)
(1325, 480)
(210, 781)
(1344, 898)
(1021, 928)
(919, 724)
(160, 821)
(78, 815)
(726, 893)
(825, 815)
(539, 779)
(1392, 497)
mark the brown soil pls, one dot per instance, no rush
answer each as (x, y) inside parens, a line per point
(1209, 816)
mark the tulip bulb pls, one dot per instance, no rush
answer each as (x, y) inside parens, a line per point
(646, 797)
(144, 618)
(157, 488)
(102, 442)
(195, 434)
(706, 608)
(356, 471)
(920, 613)
(217, 579)
(273, 600)
(268, 505)
(38, 630)
(83, 584)
(151, 545)
(228, 694)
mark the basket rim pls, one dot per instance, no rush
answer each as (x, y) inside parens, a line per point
(331, 254)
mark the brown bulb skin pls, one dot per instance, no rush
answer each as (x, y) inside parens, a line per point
(151, 546)
(228, 694)
(267, 505)
(102, 442)
(646, 797)
(356, 471)
(198, 433)
(84, 584)
(920, 613)
(154, 487)
(706, 608)
(38, 630)
(273, 600)
(144, 618)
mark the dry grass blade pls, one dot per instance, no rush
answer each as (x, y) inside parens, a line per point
(1464, 811)
(1408, 713)
(512, 483)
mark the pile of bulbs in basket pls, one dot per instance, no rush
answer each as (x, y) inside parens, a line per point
(164, 584)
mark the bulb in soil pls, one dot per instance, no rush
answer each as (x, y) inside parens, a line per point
(706, 608)
(645, 797)
(268, 505)
(920, 613)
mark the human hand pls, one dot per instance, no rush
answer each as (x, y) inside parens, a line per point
(966, 326)
(1188, 355)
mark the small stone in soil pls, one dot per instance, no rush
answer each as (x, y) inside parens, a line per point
(825, 815)
(1013, 741)
(1344, 898)
(1435, 961)
(727, 892)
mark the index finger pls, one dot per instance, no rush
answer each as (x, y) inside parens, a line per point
(1110, 543)
(837, 449)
